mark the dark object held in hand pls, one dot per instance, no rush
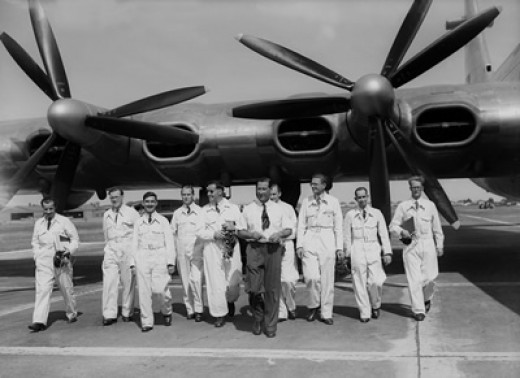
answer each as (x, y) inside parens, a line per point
(58, 259)
(230, 239)
(406, 241)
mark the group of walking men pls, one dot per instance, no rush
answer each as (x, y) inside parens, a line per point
(203, 243)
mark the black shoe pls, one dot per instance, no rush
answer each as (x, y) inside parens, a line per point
(364, 320)
(126, 319)
(375, 313)
(313, 313)
(110, 321)
(146, 329)
(37, 327)
(220, 322)
(74, 319)
(167, 320)
(328, 321)
(257, 328)
(281, 320)
(270, 334)
(292, 315)
(427, 306)
(231, 309)
(198, 317)
(419, 317)
(190, 316)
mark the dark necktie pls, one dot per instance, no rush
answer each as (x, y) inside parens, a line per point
(189, 209)
(117, 214)
(364, 214)
(216, 208)
(416, 205)
(265, 219)
(150, 218)
(49, 221)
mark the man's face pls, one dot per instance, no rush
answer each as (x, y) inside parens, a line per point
(263, 192)
(150, 203)
(49, 210)
(116, 199)
(361, 198)
(416, 188)
(187, 196)
(214, 194)
(275, 194)
(317, 186)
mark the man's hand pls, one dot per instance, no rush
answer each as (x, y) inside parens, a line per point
(299, 252)
(340, 255)
(171, 269)
(275, 238)
(405, 234)
(256, 235)
(132, 269)
(218, 235)
(387, 259)
(440, 252)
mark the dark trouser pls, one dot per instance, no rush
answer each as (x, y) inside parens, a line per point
(264, 269)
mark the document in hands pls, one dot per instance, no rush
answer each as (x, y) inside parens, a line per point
(408, 225)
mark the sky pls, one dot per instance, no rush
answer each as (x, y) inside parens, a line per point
(117, 51)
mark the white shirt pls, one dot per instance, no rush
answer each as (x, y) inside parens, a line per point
(366, 230)
(212, 220)
(61, 234)
(184, 224)
(426, 220)
(326, 215)
(291, 214)
(278, 220)
(118, 226)
(153, 235)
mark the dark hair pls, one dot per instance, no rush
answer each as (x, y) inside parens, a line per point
(416, 178)
(115, 189)
(264, 179)
(218, 184)
(275, 184)
(360, 188)
(139, 207)
(188, 186)
(149, 194)
(324, 179)
(47, 200)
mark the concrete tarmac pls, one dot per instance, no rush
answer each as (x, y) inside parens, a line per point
(472, 330)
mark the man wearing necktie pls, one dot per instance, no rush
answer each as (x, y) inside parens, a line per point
(222, 271)
(154, 258)
(53, 235)
(118, 229)
(366, 236)
(420, 256)
(266, 227)
(319, 239)
(189, 252)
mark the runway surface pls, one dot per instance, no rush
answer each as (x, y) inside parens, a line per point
(473, 329)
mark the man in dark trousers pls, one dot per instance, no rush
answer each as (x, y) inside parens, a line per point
(266, 226)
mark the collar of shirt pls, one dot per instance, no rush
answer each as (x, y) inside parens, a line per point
(155, 217)
(323, 199)
(359, 211)
(193, 208)
(112, 214)
(222, 205)
(259, 203)
(411, 204)
(54, 220)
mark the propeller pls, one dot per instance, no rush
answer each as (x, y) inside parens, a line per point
(373, 97)
(73, 114)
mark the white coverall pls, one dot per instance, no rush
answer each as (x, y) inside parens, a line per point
(222, 275)
(420, 257)
(320, 234)
(118, 228)
(364, 248)
(153, 250)
(189, 255)
(290, 273)
(45, 242)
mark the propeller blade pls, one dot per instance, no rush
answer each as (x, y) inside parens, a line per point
(65, 173)
(294, 61)
(418, 166)
(49, 50)
(405, 35)
(443, 47)
(17, 180)
(378, 169)
(157, 101)
(155, 132)
(294, 108)
(28, 65)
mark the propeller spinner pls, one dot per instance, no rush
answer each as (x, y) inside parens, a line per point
(373, 97)
(67, 117)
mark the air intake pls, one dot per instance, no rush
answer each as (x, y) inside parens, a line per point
(305, 134)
